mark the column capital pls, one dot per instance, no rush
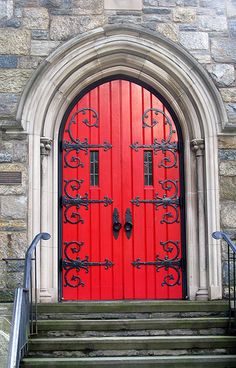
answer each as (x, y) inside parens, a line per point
(198, 146)
(45, 146)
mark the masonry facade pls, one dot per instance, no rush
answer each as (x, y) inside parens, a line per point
(40, 38)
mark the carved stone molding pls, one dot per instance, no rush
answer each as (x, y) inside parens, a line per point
(198, 146)
(45, 146)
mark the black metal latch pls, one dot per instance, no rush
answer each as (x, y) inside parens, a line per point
(116, 223)
(128, 223)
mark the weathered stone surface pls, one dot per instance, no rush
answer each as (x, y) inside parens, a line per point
(194, 40)
(228, 168)
(43, 48)
(231, 110)
(6, 9)
(39, 34)
(8, 104)
(156, 18)
(14, 207)
(231, 8)
(20, 152)
(83, 7)
(8, 61)
(161, 11)
(13, 225)
(35, 18)
(184, 15)
(227, 141)
(14, 189)
(202, 56)
(228, 94)
(212, 24)
(223, 74)
(13, 244)
(13, 80)
(227, 154)
(167, 3)
(5, 157)
(65, 27)
(169, 30)
(232, 27)
(14, 42)
(228, 214)
(223, 50)
(123, 4)
(228, 187)
(29, 62)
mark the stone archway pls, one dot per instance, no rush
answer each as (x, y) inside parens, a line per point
(164, 66)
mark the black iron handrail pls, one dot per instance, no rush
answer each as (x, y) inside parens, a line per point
(231, 277)
(23, 315)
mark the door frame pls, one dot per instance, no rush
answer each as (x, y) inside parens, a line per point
(183, 82)
(181, 164)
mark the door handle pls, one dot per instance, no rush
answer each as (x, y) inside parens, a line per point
(116, 223)
(128, 223)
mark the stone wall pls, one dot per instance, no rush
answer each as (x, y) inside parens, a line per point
(31, 29)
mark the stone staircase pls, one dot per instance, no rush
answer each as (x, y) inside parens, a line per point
(132, 334)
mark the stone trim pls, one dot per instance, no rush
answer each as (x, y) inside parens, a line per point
(169, 69)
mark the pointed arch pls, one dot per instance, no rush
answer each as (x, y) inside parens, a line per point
(164, 66)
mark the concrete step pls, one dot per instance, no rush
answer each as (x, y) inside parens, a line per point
(188, 361)
(145, 345)
(129, 327)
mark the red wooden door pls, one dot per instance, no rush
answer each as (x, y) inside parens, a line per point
(120, 198)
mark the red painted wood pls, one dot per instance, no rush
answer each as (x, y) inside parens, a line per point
(120, 106)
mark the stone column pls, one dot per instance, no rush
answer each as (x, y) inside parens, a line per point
(198, 147)
(45, 249)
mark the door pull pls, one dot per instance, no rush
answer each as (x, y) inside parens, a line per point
(128, 223)
(116, 223)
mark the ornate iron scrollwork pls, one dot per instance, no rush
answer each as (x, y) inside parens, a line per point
(73, 266)
(173, 201)
(69, 201)
(165, 145)
(174, 263)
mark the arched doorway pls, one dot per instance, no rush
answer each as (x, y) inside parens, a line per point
(122, 196)
(167, 68)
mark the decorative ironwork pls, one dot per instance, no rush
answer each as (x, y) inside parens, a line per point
(73, 266)
(69, 201)
(128, 223)
(78, 146)
(163, 146)
(172, 202)
(116, 223)
(93, 114)
(73, 247)
(174, 264)
(154, 121)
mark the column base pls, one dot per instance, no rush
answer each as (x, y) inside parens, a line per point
(202, 294)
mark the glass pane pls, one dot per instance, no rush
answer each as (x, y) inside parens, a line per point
(148, 168)
(94, 168)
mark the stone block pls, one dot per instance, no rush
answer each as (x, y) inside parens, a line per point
(184, 15)
(214, 4)
(6, 9)
(29, 62)
(35, 18)
(39, 34)
(5, 157)
(227, 141)
(123, 4)
(231, 110)
(232, 27)
(13, 225)
(43, 48)
(8, 61)
(187, 28)
(13, 244)
(227, 168)
(169, 30)
(231, 8)
(161, 11)
(228, 188)
(87, 7)
(190, 3)
(18, 42)
(8, 104)
(13, 80)
(156, 18)
(223, 50)
(202, 56)
(20, 152)
(227, 154)
(228, 214)
(211, 23)
(13, 207)
(223, 74)
(228, 94)
(194, 40)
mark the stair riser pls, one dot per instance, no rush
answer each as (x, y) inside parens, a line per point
(169, 332)
(130, 353)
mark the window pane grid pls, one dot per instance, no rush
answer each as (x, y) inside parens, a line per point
(94, 168)
(148, 168)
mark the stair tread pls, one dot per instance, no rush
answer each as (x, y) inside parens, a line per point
(132, 338)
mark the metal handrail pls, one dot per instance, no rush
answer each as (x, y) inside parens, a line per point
(231, 277)
(22, 310)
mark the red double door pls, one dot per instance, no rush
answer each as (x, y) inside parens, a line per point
(120, 197)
